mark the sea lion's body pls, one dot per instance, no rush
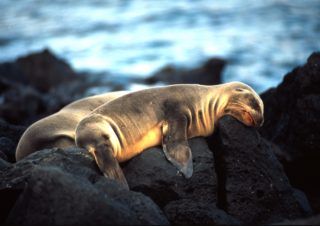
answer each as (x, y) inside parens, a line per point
(128, 123)
(58, 130)
(123, 128)
(139, 116)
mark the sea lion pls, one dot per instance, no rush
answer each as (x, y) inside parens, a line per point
(121, 129)
(58, 130)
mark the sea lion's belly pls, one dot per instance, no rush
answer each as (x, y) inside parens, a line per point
(138, 127)
(151, 138)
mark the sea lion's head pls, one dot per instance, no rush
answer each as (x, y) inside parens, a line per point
(243, 103)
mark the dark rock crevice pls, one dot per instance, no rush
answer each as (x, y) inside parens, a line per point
(220, 170)
(8, 199)
(166, 196)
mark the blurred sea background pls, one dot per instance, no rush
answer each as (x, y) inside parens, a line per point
(261, 40)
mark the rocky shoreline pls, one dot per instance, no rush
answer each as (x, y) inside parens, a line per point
(241, 175)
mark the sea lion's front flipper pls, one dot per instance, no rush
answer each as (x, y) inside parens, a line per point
(175, 145)
(108, 164)
(94, 134)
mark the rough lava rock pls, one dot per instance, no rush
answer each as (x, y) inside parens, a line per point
(292, 121)
(241, 181)
(185, 201)
(65, 187)
(252, 185)
(3, 161)
(207, 74)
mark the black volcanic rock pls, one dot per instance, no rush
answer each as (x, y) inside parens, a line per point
(65, 187)
(41, 70)
(184, 201)
(241, 181)
(12, 132)
(9, 137)
(314, 220)
(7, 148)
(252, 185)
(37, 85)
(193, 212)
(3, 161)
(207, 74)
(292, 121)
(21, 103)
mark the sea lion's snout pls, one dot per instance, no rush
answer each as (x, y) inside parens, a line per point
(255, 105)
(256, 119)
(252, 111)
(245, 105)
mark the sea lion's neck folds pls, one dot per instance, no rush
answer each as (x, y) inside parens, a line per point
(204, 114)
(215, 105)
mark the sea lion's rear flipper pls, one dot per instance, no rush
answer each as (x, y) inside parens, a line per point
(108, 164)
(175, 145)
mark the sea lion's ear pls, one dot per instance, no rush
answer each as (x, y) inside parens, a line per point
(175, 145)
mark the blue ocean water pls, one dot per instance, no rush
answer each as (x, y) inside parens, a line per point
(262, 40)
